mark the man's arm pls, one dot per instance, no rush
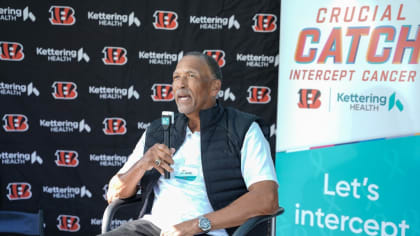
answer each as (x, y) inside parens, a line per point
(124, 183)
(262, 199)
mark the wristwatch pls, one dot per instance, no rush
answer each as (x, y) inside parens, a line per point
(204, 224)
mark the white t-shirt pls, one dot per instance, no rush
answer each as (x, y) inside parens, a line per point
(183, 196)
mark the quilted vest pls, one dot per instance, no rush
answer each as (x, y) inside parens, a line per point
(222, 133)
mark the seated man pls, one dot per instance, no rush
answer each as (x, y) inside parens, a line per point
(221, 168)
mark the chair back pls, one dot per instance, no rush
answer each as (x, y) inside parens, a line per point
(25, 223)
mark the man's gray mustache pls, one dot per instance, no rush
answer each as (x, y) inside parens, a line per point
(182, 92)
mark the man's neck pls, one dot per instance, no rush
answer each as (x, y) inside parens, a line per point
(194, 119)
(194, 122)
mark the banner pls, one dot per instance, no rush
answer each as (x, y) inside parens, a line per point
(347, 154)
(349, 71)
(369, 188)
(80, 81)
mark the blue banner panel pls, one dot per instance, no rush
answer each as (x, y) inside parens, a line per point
(367, 188)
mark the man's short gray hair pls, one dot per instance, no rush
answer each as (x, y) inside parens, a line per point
(211, 63)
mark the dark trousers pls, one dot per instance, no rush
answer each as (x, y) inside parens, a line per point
(137, 227)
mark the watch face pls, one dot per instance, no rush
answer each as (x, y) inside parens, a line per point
(204, 224)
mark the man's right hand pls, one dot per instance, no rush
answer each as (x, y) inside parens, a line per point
(124, 185)
(159, 156)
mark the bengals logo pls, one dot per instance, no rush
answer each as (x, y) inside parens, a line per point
(114, 56)
(259, 94)
(218, 55)
(114, 126)
(309, 98)
(162, 93)
(165, 20)
(11, 51)
(64, 90)
(62, 15)
(264, 23)
(66, 158)
(68, 223)
(19, 191)
(15, 123)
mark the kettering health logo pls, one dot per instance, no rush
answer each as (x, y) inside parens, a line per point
(114, 93)
(394, 103)
(215, 23)
(14, 89)
(107, 160)
(19, 158)
(63, 55)
(260, 61)
(65, 126)
(143, 125)
(13, 14)
(114, 223)
(226, 95)
(67, 192)
(160, 58)
(370, 102)
(113, 19)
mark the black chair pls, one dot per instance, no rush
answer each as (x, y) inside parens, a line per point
(21, 223)
(243, 230)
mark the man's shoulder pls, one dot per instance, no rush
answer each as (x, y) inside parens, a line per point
(238, 117)
(240, 114)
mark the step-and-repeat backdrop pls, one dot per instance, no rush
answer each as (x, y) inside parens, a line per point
(81, 80)
(348, 144)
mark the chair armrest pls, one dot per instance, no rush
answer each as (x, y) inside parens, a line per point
(113, 207)
(246, 227)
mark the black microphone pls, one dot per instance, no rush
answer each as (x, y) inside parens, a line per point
(167, 121)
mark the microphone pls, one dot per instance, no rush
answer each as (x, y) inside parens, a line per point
(167, 121)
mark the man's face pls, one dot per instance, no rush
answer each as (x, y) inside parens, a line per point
(194, 86)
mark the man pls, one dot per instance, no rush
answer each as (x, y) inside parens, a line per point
(221, 168)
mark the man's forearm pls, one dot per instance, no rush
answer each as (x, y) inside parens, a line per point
(125, 185)
(262, 200)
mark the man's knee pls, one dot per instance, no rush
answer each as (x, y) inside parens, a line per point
(138, 227)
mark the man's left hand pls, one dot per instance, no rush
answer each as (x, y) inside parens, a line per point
(187, 228)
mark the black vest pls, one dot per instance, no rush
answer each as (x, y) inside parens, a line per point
(222, 133)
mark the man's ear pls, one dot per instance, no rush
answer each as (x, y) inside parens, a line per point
(216, 85)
